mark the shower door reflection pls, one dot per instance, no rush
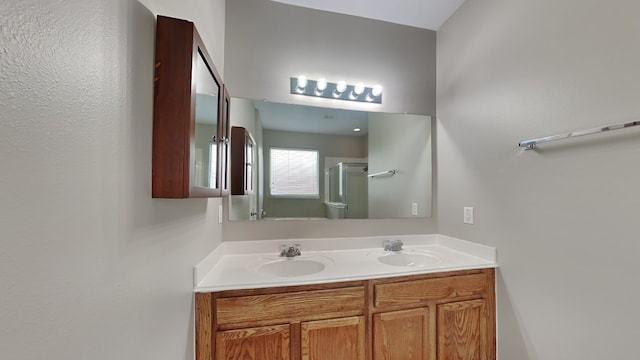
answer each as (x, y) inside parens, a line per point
(348, 192)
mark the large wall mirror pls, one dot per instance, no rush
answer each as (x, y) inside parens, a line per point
(206, 129)
(320, 163)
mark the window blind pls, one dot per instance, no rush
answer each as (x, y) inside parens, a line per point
(294, 172)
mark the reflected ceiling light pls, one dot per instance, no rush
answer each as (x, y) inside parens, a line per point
(301, 83)
(357, 129)
(341, 90)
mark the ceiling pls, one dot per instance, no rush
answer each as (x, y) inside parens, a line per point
(426, 14)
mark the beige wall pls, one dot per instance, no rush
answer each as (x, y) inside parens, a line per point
(564, 217)
(91, 267)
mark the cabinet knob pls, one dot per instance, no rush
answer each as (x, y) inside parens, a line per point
(214, 139)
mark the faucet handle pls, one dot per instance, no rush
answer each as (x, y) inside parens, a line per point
(397, 245)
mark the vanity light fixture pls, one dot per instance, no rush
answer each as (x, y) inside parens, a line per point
(340, 90)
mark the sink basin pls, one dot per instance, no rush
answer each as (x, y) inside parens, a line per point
(290, 267)
(409, 258)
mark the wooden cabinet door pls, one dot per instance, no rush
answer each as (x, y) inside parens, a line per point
(189, 133)
(269, 342)
(462, 331)
(402, 335)
(243, 156)
(334, 339)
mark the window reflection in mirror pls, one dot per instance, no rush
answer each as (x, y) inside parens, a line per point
(347, 159)
(207, 112)
(294, 173)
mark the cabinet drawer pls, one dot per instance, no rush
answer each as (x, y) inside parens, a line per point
(418, 291)
(290, 307)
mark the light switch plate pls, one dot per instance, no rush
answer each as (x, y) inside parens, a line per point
(468, 215)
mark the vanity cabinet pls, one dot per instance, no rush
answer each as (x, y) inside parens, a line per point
(190, 116)
(341, 338)
(312, 323)
(464, 330)
(440, 316)
(403, 334)
(268, 342)
(243, 155)
(449, 316)
(331, 339)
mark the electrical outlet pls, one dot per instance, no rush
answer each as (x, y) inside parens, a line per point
(414, 209)
(468, 215)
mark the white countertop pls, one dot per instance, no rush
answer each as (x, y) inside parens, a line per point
(233, 265)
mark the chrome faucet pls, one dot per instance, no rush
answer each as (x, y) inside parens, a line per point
(290, 251)
(392, 245)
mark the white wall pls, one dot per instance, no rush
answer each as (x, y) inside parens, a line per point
(91, 267)
(564, 217)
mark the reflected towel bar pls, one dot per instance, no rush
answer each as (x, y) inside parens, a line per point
(531, 144)
(383, 173)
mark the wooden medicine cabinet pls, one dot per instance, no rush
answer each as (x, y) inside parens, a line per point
(190, 116)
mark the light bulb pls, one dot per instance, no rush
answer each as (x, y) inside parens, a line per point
(376, 91)
(321, 84)
(341, 87)
(358, 89)
(302, 83)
